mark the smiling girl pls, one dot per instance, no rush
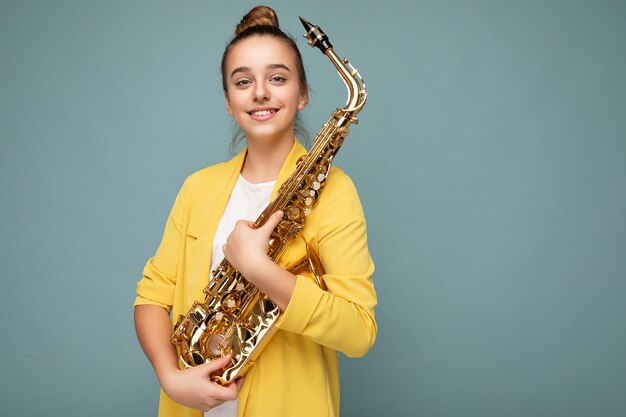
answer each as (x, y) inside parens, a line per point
(297, 374)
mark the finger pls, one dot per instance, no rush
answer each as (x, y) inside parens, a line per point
(225, 393)
(248, 224)
(273, 221)
(239, 384)
(216, 364)
(244, 223)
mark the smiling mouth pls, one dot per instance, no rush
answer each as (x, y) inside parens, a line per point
(262, 113)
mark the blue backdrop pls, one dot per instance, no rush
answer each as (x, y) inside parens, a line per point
(490, 161)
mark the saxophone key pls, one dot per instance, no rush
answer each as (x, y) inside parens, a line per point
(242, 341)
(197, 314)
(294, 213)
(263, 312)
(230, 302)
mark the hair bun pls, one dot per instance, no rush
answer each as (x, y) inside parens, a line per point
(259, 16)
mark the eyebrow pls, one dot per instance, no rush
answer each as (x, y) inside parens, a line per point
(269, 66)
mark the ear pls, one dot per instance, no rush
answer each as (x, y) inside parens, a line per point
(304, 99)
(230, 111)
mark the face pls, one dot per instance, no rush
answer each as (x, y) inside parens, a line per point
(263, 89)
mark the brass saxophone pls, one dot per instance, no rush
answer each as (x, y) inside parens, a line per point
(235, 316)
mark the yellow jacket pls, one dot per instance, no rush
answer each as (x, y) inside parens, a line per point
(297, 373)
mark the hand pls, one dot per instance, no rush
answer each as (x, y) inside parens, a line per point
(193, 388)
(247, 247)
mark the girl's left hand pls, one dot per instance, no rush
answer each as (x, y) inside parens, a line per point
(246, 247)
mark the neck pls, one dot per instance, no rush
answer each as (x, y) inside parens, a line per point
(264, 161)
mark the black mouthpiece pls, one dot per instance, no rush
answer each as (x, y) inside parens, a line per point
(307, 25)
(316, 36)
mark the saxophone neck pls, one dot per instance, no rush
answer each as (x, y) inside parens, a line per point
(357, 91)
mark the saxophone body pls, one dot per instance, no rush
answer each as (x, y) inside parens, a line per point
(235, 317)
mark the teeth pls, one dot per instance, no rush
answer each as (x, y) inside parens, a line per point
(262, 112)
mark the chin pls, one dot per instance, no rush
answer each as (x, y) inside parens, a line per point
(267, 136)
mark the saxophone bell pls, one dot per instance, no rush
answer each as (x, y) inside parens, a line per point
(311, 263)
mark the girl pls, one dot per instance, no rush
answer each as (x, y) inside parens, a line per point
(297, 374)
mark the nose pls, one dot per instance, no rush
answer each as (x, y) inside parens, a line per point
(261, 92)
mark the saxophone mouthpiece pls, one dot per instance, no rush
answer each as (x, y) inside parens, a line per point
(316, 36)
(307, 25)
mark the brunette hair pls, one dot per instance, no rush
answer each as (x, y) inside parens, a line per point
(263, 21)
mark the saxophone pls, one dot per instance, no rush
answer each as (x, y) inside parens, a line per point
(235, 317)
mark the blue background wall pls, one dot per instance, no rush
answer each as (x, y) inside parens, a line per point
(490, 161)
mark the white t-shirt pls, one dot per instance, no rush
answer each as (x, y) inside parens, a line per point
(246, 202)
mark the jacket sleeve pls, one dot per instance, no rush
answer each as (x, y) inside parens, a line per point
(342, 317)
(158, 284)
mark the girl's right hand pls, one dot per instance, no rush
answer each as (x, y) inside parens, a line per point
(193, 387)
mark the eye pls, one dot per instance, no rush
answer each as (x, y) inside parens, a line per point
(278, 79)
(242, 83)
